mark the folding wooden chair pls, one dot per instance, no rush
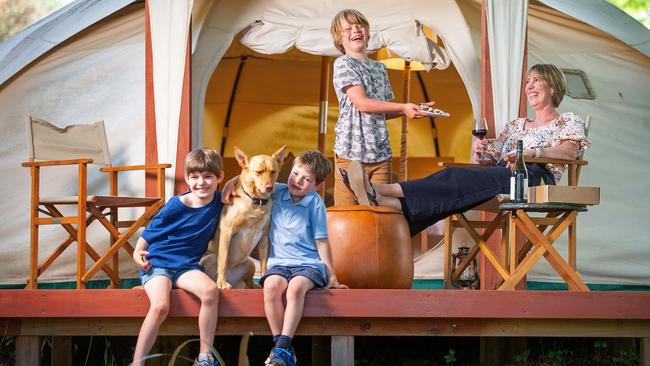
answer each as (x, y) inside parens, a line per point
(81, 145)
(499, 221)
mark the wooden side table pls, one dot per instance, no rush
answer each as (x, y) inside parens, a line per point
(558, 217)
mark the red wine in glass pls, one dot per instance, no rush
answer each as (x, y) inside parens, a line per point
(479, 132)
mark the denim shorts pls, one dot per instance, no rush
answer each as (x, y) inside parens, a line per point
(288, 273)
(170, 273)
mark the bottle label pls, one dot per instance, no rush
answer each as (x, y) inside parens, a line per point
(525, 188)
(518, 188)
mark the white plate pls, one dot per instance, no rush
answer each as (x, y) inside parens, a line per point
(436, 113)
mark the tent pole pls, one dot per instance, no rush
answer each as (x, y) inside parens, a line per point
(523, 110)
(431, 119)
(403, 158)
(325, 72)
(231, 102)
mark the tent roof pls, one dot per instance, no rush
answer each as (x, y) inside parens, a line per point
(42, 36)
(608, 18)
(36, 40)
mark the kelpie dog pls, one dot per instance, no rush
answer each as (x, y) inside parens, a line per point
(245, 224)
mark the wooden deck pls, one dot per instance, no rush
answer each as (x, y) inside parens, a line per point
(340, 312)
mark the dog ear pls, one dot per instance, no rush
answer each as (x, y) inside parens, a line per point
(279, 155)
(241, 157)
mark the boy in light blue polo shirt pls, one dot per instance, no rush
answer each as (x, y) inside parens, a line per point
(300, 257)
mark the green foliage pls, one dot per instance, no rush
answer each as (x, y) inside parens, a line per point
(600, 345)
(109, 357)
(638, 9)
(18, 14)
(450, 357)
(627, 358)
(559, 356)
(522, 357)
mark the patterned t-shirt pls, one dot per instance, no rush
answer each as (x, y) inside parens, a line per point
(567, 127)
(361, 136)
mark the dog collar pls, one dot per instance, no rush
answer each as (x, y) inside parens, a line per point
(257, 201)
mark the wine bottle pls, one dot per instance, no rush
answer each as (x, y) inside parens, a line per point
(519, 176)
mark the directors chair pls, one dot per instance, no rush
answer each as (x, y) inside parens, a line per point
(499, 215)
(80, 145)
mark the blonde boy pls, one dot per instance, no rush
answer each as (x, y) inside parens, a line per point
(364, 93)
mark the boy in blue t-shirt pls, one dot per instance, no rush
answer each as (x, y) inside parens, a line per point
(169, 250)
(300, 257)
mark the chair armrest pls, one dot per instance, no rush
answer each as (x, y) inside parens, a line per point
(134, 167)
(55, 162)
(449, 164)
(551, 161)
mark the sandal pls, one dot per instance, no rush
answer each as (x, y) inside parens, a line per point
(357, 179)
(346, 181)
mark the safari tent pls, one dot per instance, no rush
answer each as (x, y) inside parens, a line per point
(255, 83)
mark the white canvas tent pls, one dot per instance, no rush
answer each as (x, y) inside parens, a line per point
(86, 62)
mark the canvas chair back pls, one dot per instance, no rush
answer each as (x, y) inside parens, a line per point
(49, 142)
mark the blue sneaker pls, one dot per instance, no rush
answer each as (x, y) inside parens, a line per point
(207, 363)
(282, 357)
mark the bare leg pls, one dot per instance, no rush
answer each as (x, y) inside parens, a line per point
(298, 287)
(200, 285)
(274, 288)
(158, 289)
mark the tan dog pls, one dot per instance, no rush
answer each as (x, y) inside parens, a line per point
(245, 224)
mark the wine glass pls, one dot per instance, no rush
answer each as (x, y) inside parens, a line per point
(480, 127)
(480, 130)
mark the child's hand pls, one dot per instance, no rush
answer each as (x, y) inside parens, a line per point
(333, 282)
(140, 258)
(412, 111)
(229, 191)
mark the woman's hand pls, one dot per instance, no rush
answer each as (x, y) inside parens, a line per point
(480, 149)
(528, 153)
(140, 258)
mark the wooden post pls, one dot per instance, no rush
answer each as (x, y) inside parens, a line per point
(61, 351)
(150, 139)
(487, 274)
(81, 225)
(644, 353)
(28, 351)
(342, 351)
(184, 143)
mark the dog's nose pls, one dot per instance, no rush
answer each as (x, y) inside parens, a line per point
(269, 188)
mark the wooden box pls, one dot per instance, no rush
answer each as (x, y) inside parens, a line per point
(564, 194)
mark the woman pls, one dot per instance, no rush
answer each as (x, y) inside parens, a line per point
(454, 190)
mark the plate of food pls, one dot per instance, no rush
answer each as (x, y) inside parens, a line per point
(432, 112)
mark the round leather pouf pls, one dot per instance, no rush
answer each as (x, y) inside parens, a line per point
(371, 247)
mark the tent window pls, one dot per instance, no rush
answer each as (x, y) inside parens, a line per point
(577, 84)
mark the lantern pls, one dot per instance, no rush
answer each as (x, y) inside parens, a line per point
(468, 279)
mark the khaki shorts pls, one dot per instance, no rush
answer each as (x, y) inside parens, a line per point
(380, 172)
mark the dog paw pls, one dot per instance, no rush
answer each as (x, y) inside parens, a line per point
(223, 285)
